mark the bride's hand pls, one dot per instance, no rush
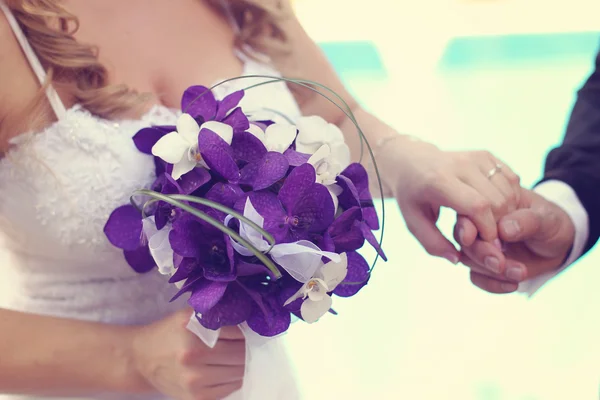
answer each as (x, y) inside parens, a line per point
(173, 361)
(423, 178)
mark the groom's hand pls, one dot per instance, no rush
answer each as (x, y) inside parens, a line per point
(536, 238)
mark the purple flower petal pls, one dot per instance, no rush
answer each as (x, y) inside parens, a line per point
(272, 167)
(219, 264)
(296, 158)
(124, 228)
(237, 120)
(248, 269)
(140, 259)
(269, 207)
(272, 323)
(218, 155)
(146, 138)
(190, 283)
(194, 180)
(297, 182)
(349, 196)
(199, 102)
(327, 243)
(315, 210)
(234, 308)
(184, 237)
(358, 272)
(247, 147)
(248, 174)
(345, 233)
(290, 287)
(360, 178)
(371, 218)
(186, 268)
(368, 234)
(228, 103)
(225, 194)
(344, 222)
(206, 294)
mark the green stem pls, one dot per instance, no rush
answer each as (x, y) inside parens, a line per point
(217, 224)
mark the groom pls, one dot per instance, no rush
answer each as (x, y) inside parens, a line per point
(559, 220)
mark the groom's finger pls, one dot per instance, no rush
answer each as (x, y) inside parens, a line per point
(492, 285)
(486, 256)
(520, 225)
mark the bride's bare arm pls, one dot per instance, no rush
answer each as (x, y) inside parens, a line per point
(47, 356)
(52, 356)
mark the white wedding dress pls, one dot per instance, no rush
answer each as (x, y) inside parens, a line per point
(57, 189)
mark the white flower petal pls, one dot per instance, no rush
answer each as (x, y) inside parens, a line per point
(320, 155)
(188, 129)
(298, 295)
(279, 137)
(171, 148)
(184, 166)
(307, 148)
(301, 259)
(257, 132)
(317, 290)
(223, 130)
(334, 272)
(334, 134)
(341, 154)
(311, 129)
(313, 310)
(334, 196)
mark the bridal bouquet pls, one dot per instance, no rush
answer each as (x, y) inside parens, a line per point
(257, 222)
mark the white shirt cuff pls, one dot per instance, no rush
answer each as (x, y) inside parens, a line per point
(565, 197)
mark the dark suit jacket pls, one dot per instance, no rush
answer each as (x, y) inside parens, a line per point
(577, 161)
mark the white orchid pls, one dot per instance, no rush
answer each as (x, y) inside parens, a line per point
(314, 132)
(315, 292)
(277, 137)
(300, 259)
(180, 147)
(330, 162)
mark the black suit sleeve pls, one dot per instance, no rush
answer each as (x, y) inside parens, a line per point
(577, 161)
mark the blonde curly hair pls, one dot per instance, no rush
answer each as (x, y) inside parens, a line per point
(50, 30)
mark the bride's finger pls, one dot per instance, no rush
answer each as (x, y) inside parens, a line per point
(486, 256)
(488, 189)
(465, 231)
(465, 200)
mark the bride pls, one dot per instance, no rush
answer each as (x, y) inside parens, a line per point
(77, 80)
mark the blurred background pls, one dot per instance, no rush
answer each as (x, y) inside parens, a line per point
(489, 74)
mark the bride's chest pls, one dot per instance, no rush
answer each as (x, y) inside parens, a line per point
(160, 48)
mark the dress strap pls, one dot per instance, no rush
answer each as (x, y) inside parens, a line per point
(36, 65)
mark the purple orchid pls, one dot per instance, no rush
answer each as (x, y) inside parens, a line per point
(165, 184)
(301, 210)
(261, 168)
(124, 230)
(357, 277)
(354, 182)
(201, 104)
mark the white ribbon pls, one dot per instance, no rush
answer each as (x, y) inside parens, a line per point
(268, 374)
